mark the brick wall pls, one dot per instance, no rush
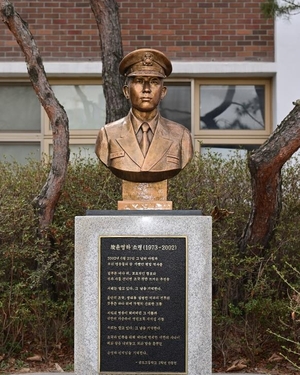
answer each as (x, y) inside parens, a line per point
(206, 30)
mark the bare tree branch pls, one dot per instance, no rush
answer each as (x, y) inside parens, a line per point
(284, 8)
(47, 199)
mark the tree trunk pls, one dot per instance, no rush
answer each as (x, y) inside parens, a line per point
(106, 13)
(265, 166)
(47, 199)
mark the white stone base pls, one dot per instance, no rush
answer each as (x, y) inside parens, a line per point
(197, 229)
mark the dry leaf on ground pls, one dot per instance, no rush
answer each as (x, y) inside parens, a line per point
(238, 365)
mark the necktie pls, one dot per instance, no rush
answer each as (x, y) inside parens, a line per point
(145, 143)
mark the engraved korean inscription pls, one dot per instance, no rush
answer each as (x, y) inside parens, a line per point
(143, 304)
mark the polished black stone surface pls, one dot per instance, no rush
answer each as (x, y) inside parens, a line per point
(143, 304)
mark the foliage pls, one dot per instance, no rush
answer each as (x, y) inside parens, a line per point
(36, 278)
(248, 297)
(275, 8)
(291, 346)
(36, 282)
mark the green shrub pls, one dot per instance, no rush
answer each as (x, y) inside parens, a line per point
(36, 282)
(37, 279)
(290, 339)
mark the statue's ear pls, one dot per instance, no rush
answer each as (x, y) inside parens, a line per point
(126, 91)
(163, 92)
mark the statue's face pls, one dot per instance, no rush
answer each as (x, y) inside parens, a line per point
(145, 93)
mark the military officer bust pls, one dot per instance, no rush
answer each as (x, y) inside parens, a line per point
(144, 146)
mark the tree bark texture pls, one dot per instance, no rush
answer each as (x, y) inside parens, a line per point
(48, 197)
(265, 166)
(106, 13)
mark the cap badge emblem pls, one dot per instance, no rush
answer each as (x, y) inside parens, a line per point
(147, 59)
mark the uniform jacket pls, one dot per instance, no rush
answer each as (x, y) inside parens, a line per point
(169, 152)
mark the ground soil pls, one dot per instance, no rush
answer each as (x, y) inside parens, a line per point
(60, 359)
(265, 368)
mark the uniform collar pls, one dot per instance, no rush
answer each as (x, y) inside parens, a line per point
(137, 123)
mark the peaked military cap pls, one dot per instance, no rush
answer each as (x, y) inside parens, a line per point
(145, 62)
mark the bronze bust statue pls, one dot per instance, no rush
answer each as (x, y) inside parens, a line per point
(144, 146)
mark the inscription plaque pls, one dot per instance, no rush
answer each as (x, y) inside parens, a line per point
(143, 305)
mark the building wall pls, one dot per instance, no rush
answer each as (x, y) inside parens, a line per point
(287, 64)
(204, 30)
(215, 46)
(231, 30)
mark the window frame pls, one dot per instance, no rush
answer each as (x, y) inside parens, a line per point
(86, 141)
(23, 137)
(206, 134)
(72, 82)
(200, 137)
(238, 142)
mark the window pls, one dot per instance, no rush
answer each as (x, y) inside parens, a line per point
(20, 122)
(235, 107)
(84, 103)
(25, 128)
(20, 109)
(176, 105)
(19, 151)
(234, 113)
(221, 114)
(227, 150)
(84, 149)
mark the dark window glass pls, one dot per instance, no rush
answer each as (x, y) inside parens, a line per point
(176, 105)
(232, 107)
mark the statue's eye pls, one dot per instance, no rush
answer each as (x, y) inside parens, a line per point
(154, 82)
